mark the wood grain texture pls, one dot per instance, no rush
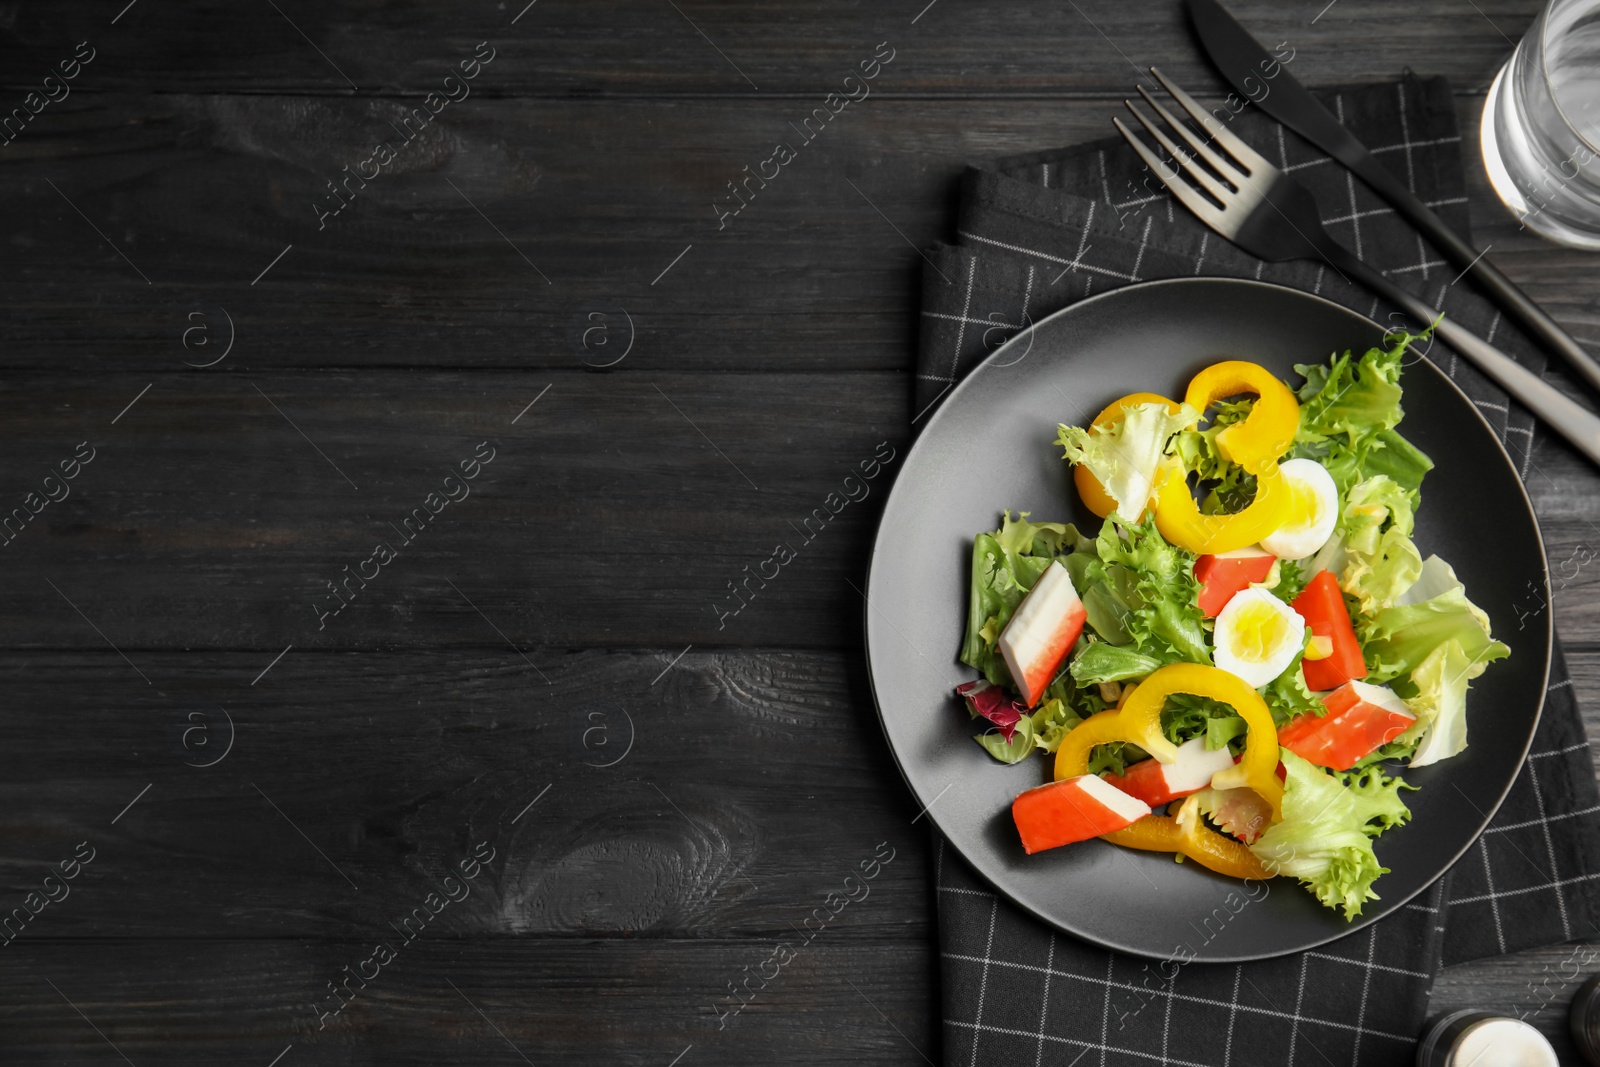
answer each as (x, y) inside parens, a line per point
(715, 795)
(442, 260)
(766, 363)
(632, 795)
(839, 1002)
(218, 510)
(721, 47)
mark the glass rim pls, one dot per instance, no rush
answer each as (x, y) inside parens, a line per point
(1544, 75)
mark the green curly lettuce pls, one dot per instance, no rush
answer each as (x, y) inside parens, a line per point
(1164, 618)
(1098, 662)
(1325, 838)
(1349, 409)
(1380, 560)
(1229, 486)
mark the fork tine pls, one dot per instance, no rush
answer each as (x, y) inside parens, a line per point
(1221, 164)
(1208, 212)
(1253, 162)
(1198, 173)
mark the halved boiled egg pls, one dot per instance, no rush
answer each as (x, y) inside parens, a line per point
(1257, 636)
(1313, 514)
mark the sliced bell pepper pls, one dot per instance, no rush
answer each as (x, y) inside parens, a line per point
(1187, 835)
(1268, 431)
(1059, 813)
(1179, 519)
(1321, 604)
(1094, 495)
(1361, 718)
(1138, 719)
(1254, 443)
(1224, 574)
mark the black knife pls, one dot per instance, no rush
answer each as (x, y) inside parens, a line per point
(1249, 68)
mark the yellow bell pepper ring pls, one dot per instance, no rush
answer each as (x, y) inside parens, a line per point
(1094, 495)
(1187, 835)
(1257, 769)
(1135, 719)
(1138, 719)
(1268, 431)
(1180, 521)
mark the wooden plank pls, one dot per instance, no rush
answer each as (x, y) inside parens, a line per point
(742, 789)
(615, 511)
(633, 795)
(719, 47)
(843, 1000)
(619, 511)
(203, 195)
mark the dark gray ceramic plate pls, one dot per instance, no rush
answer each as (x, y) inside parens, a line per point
(990, 446)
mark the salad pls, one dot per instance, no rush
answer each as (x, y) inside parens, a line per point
(1238, 663)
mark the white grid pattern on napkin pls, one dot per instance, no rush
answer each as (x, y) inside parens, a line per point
(1083, 253)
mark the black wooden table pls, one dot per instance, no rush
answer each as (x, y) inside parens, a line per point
(370, 644)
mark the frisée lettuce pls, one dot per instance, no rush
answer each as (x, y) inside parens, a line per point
(1325, 836)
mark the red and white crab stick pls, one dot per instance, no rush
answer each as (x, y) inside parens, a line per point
(1042, 631)
(1073, 809)
(1158, 783)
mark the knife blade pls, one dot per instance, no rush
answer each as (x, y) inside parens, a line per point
(1243, 62)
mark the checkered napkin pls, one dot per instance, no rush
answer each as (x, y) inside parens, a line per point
(1037, 233)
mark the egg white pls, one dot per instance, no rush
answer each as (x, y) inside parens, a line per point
(1257, 636)
(1314, 515)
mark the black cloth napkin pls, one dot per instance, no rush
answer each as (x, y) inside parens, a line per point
(1041, 231)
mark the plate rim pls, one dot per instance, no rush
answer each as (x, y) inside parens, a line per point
(1027, 334)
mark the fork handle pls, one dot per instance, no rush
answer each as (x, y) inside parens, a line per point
(1570, 419)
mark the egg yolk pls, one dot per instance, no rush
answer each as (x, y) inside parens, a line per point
(1307, 509)
(1257, 632)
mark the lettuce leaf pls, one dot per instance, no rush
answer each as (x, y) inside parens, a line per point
(1436, 577)
(1005, 564)
(1231, 486)
(1380, 560)
(1440, 705)
(1325, 838)
(1053, 721)
(1098, 662)
(1397, 639)
(1187, 716)
(1014, 749)
(1349, 409)
(1126, 454)
(1287, 579)
(1287, 695)
(1164, 619)
(1104, 594)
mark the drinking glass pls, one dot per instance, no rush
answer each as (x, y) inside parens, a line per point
(1541, 125)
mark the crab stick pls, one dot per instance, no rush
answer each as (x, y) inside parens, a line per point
(1073, 809)
(1158, 783)
(1360, 719)
(1226, 573)
(1337, 658)
(1041, 632)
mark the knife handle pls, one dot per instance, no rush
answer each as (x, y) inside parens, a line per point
(1502, 290)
